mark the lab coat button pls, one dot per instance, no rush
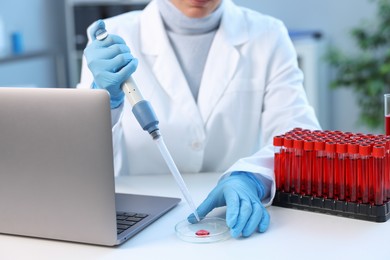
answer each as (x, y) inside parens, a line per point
(196, 145)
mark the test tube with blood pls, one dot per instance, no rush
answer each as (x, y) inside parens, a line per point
(307, 167)
(297, 170)
(387, 171)
(371, 195)
(288, 143)
(363, 172)
(279, 161)
(351, 172)
(319, 149)
(341, 156)
(328, 180)
(387, 113)
(377, 175)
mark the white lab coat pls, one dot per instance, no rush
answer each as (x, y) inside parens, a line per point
(251, 90)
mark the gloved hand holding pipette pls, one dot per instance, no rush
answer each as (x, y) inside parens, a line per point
(112, 69)
(110, 62)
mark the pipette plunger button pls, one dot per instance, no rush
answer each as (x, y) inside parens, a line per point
(101, 34)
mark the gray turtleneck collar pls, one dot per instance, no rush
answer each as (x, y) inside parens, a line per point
(177, 22)
(191, 39)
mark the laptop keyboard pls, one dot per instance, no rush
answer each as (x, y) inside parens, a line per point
(125, 220)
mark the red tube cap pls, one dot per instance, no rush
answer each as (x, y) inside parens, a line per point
(308, 145)
(353, 148)
(278, 140)
(378, 151)
(288, 142)
(364, 149)
(341, 147)
(319, 145)
(298, 144)
(330, 147)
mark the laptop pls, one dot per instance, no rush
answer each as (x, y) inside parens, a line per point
(56, 169)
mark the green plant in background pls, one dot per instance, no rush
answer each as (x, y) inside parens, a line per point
(368, 72)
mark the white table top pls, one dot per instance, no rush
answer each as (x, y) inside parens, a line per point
(293, 234)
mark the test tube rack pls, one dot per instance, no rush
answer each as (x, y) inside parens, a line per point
(333, 172)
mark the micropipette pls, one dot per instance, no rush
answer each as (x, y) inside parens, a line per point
(146, 117)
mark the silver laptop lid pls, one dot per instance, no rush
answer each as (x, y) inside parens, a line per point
(56, 168)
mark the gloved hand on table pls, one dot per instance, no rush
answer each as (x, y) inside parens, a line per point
(241, 192)
(110, 62)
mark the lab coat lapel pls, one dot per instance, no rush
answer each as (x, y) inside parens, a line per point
(155, 44)
(223, 59)
(220, 67)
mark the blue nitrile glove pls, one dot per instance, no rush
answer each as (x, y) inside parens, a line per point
(110, 62)
(241, 192)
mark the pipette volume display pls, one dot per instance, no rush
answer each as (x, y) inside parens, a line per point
(146, 117)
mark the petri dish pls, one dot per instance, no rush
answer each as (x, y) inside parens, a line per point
(208, 230)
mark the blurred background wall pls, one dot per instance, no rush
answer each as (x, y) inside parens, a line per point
(48, 39)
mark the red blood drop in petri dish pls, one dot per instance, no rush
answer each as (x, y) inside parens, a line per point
(202, 233)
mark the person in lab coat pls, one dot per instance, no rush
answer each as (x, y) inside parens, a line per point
(222, 79)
